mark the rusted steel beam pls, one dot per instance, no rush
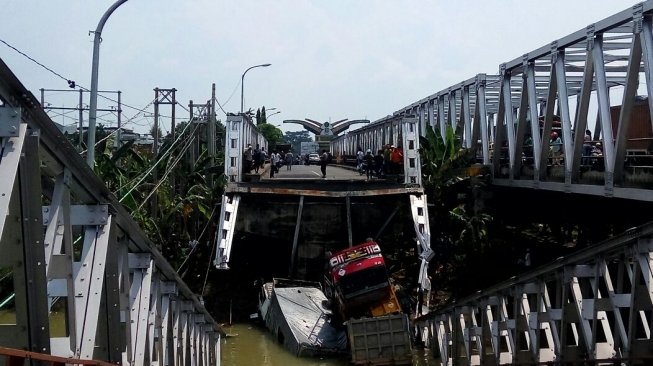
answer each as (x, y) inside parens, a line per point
(323, 193)
(17, 357)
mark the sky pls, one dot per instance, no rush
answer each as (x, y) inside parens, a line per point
(330, 59)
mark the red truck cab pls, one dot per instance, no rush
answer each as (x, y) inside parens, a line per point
(361, 286)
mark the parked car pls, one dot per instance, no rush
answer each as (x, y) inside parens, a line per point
(313, 158)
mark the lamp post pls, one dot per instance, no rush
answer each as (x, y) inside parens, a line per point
(242, 86)
(92, 113)
(266, 117)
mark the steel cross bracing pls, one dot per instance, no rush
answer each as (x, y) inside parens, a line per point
(563, 80)
(68, 247)
(593, 305)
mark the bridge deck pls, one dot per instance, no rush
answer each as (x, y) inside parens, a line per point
(306, 180)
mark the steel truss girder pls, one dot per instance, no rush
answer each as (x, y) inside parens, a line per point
(398, 131)
(594, 305)
(561, 79)
(239, 132)
(226, 229)
(419, 211)
(79, 282)
(10, 149)
(21, 237)
(60, 251)
(410, 143)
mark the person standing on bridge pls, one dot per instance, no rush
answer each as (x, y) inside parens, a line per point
(368, 161)
(359, 160)
(323, 162)
(249, 159)
(257, 158)
(289, 160)
(378, 164)
(274, 160)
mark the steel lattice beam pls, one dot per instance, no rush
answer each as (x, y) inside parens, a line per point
(55, 239)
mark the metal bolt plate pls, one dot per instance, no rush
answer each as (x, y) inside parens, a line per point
(9, 121)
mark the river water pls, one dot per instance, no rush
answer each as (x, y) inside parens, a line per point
(248, 344)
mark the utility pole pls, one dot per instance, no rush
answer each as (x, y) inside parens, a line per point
(191, 120)
(155, 132)
(81, 118)
(203, 114)
(80, 107)
(155, 153)
(118, 143)
(211, 135)
(166, 97)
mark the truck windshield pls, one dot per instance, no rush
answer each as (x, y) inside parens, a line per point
(364, 281)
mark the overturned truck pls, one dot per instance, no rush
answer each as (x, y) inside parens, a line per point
(297, 314)
(361, 293)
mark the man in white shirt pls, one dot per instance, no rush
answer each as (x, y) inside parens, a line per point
(274, 159)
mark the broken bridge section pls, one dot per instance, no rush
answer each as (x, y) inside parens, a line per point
(317, 215)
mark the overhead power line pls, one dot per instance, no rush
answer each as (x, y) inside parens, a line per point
(71, 83)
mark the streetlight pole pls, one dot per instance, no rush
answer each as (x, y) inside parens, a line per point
(92, 114)
(266, 117)
(242, 86)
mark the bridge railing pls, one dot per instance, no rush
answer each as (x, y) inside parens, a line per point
(592, 305)
(509, 118)
(78, 277)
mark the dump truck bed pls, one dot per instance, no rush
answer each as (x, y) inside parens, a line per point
(382, 340)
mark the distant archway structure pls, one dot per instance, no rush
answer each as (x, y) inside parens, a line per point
(326, 128)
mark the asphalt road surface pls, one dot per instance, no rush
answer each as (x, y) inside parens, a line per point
(313, 172)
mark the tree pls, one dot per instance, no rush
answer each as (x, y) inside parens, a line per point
(295, 139)
(258, 117)
(459, 231)
(271, 133)
(264, 117)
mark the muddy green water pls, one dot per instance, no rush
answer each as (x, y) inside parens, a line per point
(248, 344)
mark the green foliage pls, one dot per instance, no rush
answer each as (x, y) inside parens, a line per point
(444, 161)
(271, 133)
(295, 139)
(261, 116)
(186, 204)
(264, 117)
(458, 230)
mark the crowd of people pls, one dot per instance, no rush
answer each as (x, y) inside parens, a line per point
(388, 160)
(591, 150)
(255, 158)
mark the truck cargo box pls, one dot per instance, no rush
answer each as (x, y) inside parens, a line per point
(382, 340)
(295, 313)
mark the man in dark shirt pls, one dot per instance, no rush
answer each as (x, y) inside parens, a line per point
(323, 162)
(378, 164)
